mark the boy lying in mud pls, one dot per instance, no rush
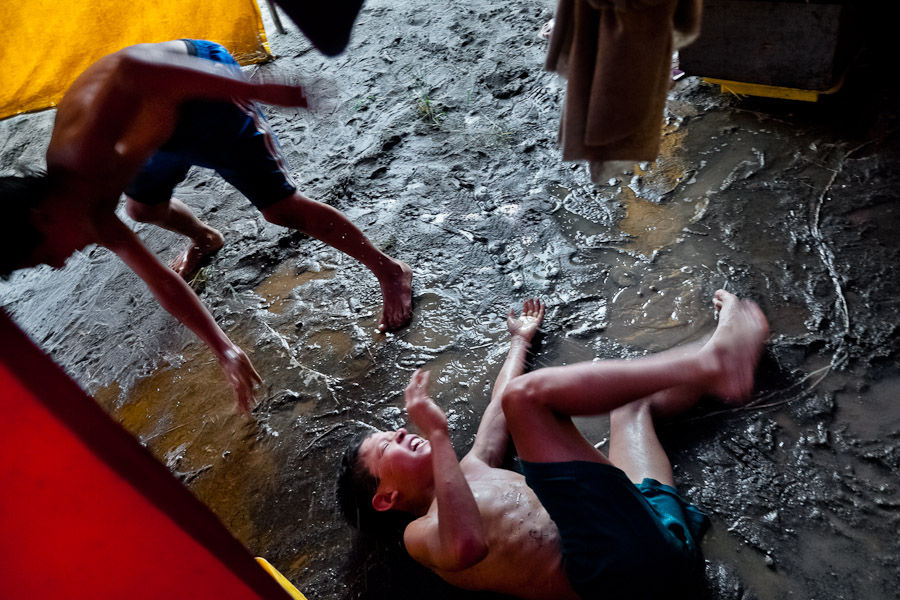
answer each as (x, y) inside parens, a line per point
(579, 524)
(136, 121)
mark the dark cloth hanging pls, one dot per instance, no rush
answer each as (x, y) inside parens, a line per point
(327, 24)
(617, 57)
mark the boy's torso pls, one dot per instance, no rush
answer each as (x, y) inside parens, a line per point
(524, 557)
(106, 164)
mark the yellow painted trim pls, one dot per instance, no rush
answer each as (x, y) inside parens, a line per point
(740, 88)
(281, 579)
(257, 57)
(38, 68)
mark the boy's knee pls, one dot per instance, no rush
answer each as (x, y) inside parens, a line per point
(520, 396)
(633, 411)
(287, 212)
(144, 213)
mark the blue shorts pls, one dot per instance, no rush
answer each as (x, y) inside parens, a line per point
(232, 138)
(619, 540)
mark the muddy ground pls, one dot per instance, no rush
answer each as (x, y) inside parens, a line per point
(440, 145)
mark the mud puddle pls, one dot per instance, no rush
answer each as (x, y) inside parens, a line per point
(772, 203)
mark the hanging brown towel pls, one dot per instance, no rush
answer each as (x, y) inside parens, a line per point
(617, 57)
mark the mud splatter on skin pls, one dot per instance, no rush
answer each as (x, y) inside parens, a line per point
(794, 206)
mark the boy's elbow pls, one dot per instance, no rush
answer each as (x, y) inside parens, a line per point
(469, 552)
(129, 63)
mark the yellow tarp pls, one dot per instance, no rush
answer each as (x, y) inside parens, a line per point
(46, 44)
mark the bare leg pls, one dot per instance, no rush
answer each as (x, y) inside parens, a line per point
(329, 225)
(538, 405)
(174, 215)
(633, 444)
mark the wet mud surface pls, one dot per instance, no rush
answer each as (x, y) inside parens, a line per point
(439, 142)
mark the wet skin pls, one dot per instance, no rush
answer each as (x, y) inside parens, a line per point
(112, 118)
(398, 458)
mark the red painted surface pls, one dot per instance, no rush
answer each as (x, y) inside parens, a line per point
(87, 512)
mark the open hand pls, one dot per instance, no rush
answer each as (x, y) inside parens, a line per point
(422, 410)
(281, 94)
(526, 325)
(241, 375)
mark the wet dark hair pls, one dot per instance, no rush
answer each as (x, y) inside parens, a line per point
(18, 235)
(356, 487)
(356, 484)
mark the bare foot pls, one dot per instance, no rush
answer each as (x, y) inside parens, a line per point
(190, 259)
(547, 29)
(397, 294)
(734, 349)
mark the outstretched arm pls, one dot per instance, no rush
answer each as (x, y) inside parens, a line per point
(155, 70)
(180, 300)
(493, 435)
(124, 106)
(453, 539)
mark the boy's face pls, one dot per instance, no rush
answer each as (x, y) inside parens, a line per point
(399, 460)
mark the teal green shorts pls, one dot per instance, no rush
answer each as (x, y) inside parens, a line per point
(619, 540)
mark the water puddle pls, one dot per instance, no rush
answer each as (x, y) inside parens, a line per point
(670, 308)
(639, 213)
(186, 417)
(439, 329)
(651, 226)
(870, 414)
(276, 289)
(335, 353)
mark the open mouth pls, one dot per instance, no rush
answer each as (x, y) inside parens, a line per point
(416, 442)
